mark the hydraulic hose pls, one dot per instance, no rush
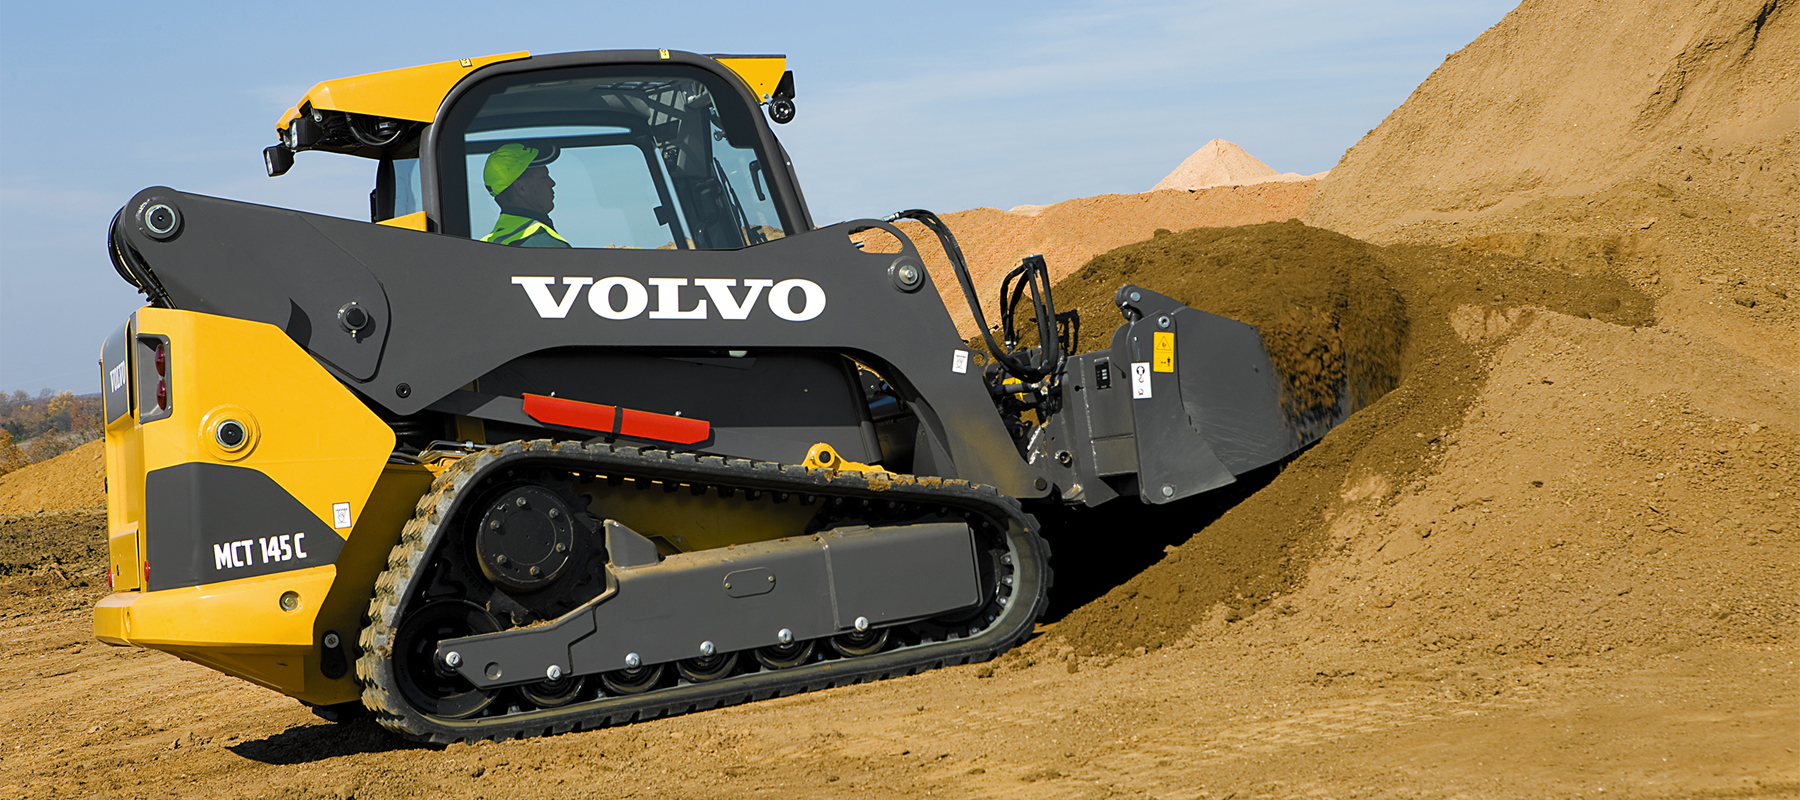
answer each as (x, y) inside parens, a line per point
(1012, 364)
(131, 266)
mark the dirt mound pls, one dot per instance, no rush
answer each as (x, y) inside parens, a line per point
(1709, 98)
(1612, 488)
(1673, 162)
(76, 479)
(1221, 163)
(1070, 233)
(1265, 546)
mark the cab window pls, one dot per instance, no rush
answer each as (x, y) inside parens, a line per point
(607, 157)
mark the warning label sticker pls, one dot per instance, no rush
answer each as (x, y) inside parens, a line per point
(1164, 351)
(1140, 380)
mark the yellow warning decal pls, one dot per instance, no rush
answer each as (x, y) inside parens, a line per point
(1164, 343)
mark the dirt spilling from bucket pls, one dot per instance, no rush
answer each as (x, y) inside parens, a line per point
(1328, 315)
(1336, 307)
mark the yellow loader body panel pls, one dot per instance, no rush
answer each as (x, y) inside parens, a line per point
(306, 433)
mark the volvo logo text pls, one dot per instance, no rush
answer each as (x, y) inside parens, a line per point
(794, 300)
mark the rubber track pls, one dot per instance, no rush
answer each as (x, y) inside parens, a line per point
(410, 557)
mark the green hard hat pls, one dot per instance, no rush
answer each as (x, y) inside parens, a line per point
(509, 161)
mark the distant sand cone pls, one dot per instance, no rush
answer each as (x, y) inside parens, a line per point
(1221, 163)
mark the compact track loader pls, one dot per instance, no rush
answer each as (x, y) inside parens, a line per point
(593, 424)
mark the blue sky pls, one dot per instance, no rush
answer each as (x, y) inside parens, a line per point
(937, 105)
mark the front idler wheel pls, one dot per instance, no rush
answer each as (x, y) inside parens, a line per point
(432, 686)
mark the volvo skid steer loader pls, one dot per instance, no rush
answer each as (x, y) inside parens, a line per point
(593, 424)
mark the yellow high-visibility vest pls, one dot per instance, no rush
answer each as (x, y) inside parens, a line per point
(512, 229)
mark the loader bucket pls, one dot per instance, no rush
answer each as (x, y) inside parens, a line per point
(1182, 403)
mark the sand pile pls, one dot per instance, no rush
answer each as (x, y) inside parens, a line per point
(1568, 99)
(1264, 546)
(1595, 442)
(76, 479)
(1221, 163)
(1671, 158)
(1070, 233)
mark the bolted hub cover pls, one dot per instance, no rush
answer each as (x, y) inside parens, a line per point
(526, 538)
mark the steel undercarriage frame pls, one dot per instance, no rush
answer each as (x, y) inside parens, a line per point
(1017, 605)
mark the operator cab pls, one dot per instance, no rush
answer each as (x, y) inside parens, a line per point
(642, 149)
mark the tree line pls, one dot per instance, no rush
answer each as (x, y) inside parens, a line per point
(33, 429)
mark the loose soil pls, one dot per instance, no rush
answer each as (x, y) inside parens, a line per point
(1327, 313)
(43, 555)
(76, 479)
(1554, 559)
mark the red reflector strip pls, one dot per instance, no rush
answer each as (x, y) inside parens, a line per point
(622, 421)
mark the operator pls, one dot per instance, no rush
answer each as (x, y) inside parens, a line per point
(519, 181)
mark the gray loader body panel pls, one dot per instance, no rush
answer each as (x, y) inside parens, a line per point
(445, 310)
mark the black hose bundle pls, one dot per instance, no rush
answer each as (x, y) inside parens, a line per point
(130, 265)
(1032, 271)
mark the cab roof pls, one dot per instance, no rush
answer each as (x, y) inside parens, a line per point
(415, 93)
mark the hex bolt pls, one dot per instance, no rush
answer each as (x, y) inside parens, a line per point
(502, 560)
(862, 624)
(535, 571)
(553, 673)
(554, 513)
(1006, 559)
(706, 648)
(453, 659)
(632, 660)
(785, 636)
(1168, 490)
(519, 501)
(1007, 580)
(495, 525)
(562, 547)
(1002, 601)
(331, 639)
